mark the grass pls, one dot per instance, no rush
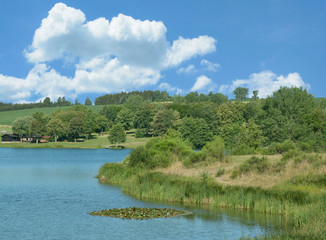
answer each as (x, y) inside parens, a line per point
(97, 141)
(297, 191)
(7, 117)
(5, 129)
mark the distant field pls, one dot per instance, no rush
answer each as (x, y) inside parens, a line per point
(6, 118)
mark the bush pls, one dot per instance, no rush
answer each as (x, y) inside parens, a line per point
(243, 149)
(215, 149)
(138, 157)
(279, 148)
(220, 172)
(254, 164)
(139, 133)
(194, 158)
(159, 153)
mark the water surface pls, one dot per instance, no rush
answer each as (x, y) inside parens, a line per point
(47, 193)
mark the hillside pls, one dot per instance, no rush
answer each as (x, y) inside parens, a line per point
(7, 117)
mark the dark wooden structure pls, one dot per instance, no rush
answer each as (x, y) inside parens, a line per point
(10, 138)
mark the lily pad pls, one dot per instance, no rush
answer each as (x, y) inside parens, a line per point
(140, 213)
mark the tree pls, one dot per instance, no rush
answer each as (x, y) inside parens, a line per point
(196, 131)
(76, 127)
(38, 125)
(110, 112)
(134, 102)
(47, 102)
(218, 98)
(240, 93)
(88, 101)
(144, 118)
(117, 134)
(102, 123)
(90, 123)
(21, 126)
(255, 94)
(56, 128)
(284, 113)
(192, 97)
(165, 119)
(126, 118)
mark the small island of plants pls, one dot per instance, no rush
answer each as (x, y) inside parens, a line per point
(139, 213)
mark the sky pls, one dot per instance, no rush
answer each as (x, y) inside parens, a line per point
(80, 49)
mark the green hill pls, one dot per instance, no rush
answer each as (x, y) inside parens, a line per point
(7, 117)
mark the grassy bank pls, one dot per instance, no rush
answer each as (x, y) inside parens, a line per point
(97, 141)
(300, 196)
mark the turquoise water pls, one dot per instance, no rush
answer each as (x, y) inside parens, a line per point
(47, 194)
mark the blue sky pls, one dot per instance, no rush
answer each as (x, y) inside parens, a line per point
(89, 48)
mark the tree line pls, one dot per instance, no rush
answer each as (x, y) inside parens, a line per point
(120, 98)
(290, 114)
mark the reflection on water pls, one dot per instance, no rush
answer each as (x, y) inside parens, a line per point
(47, 193)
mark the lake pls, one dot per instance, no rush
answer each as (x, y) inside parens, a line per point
(47, 194)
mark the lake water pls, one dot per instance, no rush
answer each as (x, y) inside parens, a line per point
(47, 194)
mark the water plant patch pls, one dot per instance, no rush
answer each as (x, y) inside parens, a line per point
(139, 213)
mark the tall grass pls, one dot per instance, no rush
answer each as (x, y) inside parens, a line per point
(307, 210)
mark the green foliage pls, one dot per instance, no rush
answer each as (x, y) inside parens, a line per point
(21, 126)
(76, 127)
(255, 94)
(284, 114)
(279, 148)
(110, 112)
(117, 134)
(163, 120)
(254, 164)
(144, 117)
(56, 128)
(126, 118)
(88, 102)
(196, 131)
(220, 172)
(240, 93)
(158, 153)
(140, 133)
(215, 149)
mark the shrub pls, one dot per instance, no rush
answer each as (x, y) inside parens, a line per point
(194, 158)
(243, 149)
(138, 157)
(254, 164)
(215, 149)
(139, 133)
(220, 172)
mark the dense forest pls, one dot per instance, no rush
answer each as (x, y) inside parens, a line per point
(291, 116)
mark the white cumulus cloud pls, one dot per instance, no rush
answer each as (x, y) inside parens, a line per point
(187, 70)
(202, 82)
(266, 82)
(169, 88)
(213, 67)
(184, 49)
(108, 55)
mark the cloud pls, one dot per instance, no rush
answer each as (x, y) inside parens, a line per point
(169, 88)
(201, 83)
(213, 67)
(107, 55)
(266, 82)
(187, 70)
(184, 49)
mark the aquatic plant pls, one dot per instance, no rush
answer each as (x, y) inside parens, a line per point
(139, 213)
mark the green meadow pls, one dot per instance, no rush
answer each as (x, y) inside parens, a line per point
(7, 117)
